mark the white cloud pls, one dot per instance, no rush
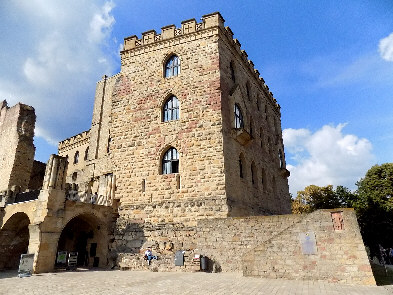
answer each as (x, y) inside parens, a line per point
(327, 156)
(53, 53)
(386, 48)
(101, 23)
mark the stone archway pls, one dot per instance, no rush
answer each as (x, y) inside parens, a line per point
(14, 240)
(86, 235)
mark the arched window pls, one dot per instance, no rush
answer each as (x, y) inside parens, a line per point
(170, 161)
(172, 66)
(86, 153)
(76, 157)
(239, 123)
(171, 109)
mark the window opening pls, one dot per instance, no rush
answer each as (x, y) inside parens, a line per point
(238, 117)
(232, 69)
(86, 153)
(76, 157)
(280, 159)
(170, 161)
(171, 109)
(240, 168)
(172, 66)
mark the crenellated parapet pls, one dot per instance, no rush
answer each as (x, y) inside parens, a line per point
(74, 141)
(168, 32)
(191, 26)
(248, 63)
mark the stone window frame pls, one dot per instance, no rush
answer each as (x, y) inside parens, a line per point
(76, 157)
(239, 119)
(165, 117)
(172, 66)
(170, 161)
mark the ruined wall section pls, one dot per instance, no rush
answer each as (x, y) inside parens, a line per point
(140, 137)
(262, 185)
(37, 175)
(16, 145)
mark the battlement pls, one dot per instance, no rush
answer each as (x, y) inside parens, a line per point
(168, 32)
(74, 141)
(212, 20)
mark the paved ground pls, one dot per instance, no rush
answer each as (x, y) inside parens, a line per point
(144, 282)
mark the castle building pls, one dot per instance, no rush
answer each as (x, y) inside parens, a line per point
(187, 129)
(185, 156)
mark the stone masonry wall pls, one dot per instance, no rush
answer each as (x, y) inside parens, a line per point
(140, 137)
(263, 189)
(16, 145)
(264, 246)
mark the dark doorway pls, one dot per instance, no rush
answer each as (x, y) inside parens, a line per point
(14, 240)
(78, 236)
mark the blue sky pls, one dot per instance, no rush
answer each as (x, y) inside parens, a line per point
(328, 63)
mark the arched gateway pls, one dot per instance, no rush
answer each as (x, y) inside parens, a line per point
(14, 240)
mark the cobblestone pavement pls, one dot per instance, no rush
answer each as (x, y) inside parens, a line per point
(146, 282)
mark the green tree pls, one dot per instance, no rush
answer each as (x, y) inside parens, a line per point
(314, 197)
(374, 206)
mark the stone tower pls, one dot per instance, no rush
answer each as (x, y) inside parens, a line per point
(16, 146)
(194, 131)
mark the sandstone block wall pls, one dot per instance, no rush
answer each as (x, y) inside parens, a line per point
(140, 137)
(16, 145)
(261, 246)
(263, 189)
(271, 247)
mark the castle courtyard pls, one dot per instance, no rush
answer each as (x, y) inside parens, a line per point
(146, 282)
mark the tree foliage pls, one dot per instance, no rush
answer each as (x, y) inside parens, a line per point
(374, 206)
(373, 202)
(376, 188)
(315, 197)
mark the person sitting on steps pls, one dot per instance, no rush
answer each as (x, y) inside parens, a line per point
(149, 256)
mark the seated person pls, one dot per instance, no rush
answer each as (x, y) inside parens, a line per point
(149, 255)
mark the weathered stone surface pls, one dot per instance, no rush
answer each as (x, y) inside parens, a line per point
(16, 145)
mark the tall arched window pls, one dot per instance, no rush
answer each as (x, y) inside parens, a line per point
(170, 161)
(172, 66)
(171, 109)
(76, 157)
(239, 123)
